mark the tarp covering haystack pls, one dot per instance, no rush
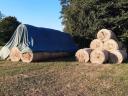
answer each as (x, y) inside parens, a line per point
(36, 43)
(83, 55)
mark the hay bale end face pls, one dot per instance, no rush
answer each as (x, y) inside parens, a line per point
(83, 55)
(99, 56)
(26, 57)
(105, 34)
(117, 56)
(112, 45)
(96, 44)
(14, 54)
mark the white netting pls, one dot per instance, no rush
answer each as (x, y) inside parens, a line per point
(19, 39)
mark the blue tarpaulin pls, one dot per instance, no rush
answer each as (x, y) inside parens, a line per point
(49, 40)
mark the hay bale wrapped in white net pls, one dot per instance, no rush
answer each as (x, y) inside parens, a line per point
(83, 55)
(14, 54)
(105, 34)
(44, 42)
(117, 56)
(96, 44)
(99, 56)
(112, 45)
(28, 57)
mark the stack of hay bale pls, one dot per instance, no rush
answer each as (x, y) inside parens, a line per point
(106, 48)
(16, 55)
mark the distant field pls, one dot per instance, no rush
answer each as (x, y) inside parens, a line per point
(63, 78)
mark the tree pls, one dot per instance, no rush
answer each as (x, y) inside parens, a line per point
(1, 15)
(7, 27)
(83, 18)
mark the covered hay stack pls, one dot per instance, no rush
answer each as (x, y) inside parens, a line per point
(99, 56)
(96, 44)
(83, 55)
(105, 34)
(117, 56)
(28, 57)
(37, 44)
(14, 54)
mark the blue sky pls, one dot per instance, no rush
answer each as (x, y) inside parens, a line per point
(42, 13)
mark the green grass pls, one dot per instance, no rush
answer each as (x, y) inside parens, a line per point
(63, 78)
(59, 78)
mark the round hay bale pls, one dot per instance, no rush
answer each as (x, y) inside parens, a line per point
(99, 56)
(105, 34)
(83, 55)
(111, 45)
(4, 53)
(26, 57)
(96, 44)
(40, 56)
(117, 56)
(14, 54)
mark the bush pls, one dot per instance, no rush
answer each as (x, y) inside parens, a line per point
(7, 27)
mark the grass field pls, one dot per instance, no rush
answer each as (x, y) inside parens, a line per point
(64, 77)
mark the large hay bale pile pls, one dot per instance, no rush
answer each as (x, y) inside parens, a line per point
(106, 48)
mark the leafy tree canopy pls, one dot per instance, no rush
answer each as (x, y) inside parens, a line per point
(1, 15)
(83, 18)
(7, 27)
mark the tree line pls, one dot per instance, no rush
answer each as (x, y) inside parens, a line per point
(83, 18)
(7, 27)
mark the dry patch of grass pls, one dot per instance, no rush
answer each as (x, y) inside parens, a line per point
(62, 78)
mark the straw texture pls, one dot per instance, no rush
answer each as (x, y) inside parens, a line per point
(83, 55)
(14, 54)
(112, 45)
(105, 34)
(96, 44)
(117, 56)
(40, 56)
(99, 56)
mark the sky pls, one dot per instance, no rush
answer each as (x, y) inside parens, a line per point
(41, 13)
